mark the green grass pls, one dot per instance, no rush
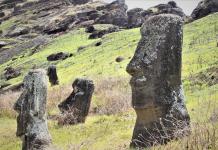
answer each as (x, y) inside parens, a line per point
(114, 132)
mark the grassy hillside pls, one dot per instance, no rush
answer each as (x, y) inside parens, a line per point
(200, 71)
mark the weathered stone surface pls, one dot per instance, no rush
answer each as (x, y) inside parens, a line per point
(204, 8)
(135, 18)
(79, 2)
(2, 44)
(11, 73)
(76, 107)
(100, 33)
(17, 31)
(52, 74)
(31, 106)
(113, 13)
(21, 48)
(58, 56)
(90, 29)
(157, 93)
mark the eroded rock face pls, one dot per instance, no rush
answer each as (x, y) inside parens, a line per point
(157, 93)
(113, 13)
(52, 75)
(76, 107)
(59, 56)
(31, 106)
(204, 8)
(135, 18)
(11, 73)
(79, 2)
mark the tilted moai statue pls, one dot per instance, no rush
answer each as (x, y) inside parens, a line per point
(157, 93)
(31, 106)
(52, 74)
(76, 106)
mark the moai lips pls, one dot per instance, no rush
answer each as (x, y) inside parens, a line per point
(157, 93)
(31, 106)
(76, 107)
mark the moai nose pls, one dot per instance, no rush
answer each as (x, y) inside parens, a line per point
(133, 68)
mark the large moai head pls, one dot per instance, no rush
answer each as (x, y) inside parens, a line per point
(76, 106)
(31, 106)
(157, 93)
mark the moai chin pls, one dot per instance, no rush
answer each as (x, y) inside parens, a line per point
(157, 93)
(31, 106)
(76, 107)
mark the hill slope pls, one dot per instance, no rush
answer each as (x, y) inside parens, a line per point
(200, 69)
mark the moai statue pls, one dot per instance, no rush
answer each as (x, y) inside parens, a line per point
(31, 106)
(52, 74)
(157, 93)
(76, 107)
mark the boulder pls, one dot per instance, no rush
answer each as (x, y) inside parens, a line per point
(100, 33)
(204, 8)
(90, 29)
(31, 107)
(2, 44)
(11, 73)
(17, 31)
(169, 8)
(135, 18)
(78, 2)
(76, 107)
(59, 56)
(52, 75)
(113, 13)
(157, 93)
(2, 14)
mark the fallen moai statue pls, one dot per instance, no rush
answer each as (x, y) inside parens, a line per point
(76, 107)
(157, 92)
(31, 106)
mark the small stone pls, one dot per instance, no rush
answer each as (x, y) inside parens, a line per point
(59, 56)
(119, 59)
(98, 44)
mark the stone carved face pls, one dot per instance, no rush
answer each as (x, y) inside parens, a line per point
(27, 105)
(82, 90)
(154, 65)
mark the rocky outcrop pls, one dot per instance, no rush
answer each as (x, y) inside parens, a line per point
(76, 107)
(59, 56)
(157, 93)
(113, 13)
(52, 75)
(204, 8)
(137, 16)
(31, 106)
(79, 2)
(11, 73)
(100, 33)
